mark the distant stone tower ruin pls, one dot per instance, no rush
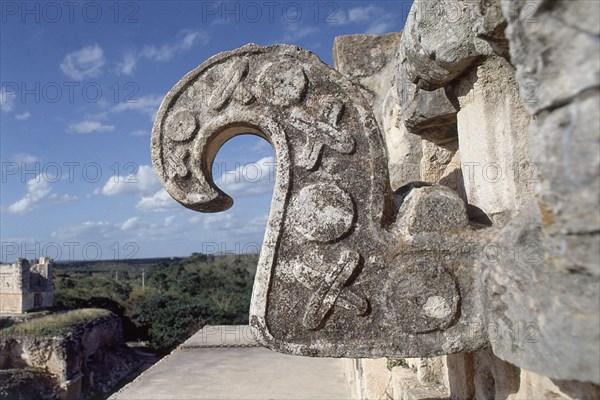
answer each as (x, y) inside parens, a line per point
(26, 285)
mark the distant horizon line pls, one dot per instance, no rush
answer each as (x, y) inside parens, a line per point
(218, 254)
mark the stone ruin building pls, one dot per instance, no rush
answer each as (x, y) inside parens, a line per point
(26, 285)
(436, 203)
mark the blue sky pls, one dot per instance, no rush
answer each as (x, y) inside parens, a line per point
(80, 83)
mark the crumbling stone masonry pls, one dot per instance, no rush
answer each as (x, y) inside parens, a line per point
(494, 99)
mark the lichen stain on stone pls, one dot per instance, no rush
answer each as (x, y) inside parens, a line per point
(547, 214)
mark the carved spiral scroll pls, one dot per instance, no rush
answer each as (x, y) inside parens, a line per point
(331, 279)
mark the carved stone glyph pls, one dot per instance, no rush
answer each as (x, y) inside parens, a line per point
(348, 268)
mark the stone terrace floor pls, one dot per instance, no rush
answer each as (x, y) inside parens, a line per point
(225, 362)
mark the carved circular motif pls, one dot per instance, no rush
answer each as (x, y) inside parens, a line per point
(322, 212)
(421, 293)
(181, 126)
(437, 307)
(283, 83)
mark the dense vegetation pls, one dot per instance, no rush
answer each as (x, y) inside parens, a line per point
(162, 301)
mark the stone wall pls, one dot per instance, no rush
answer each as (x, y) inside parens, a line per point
(499, 101)
(26, 285)
(90, 357)
(11, 303)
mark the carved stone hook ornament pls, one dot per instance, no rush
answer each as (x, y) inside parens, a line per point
(347, 268)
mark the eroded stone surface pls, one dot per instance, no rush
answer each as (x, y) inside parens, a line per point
(437, 42)
(552, 70)
(554, 281)
(498, 173)
(431, 209)
(532, 304)
(541, 271)
(370, 62)
(346, 269)
(423, 109)
(404, 147)
(322, 212)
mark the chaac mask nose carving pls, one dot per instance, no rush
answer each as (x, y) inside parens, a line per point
(347, 268)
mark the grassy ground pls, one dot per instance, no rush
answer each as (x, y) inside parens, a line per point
(54, 324)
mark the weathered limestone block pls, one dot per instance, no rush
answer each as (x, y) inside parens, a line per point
(430, 208)
(342, 272)
(461, 373)
(423, 109)
(376, 379)
(437, 43)
(489, 24)
(354, 376)
(572, 389)
(492, 133)
(430, 371)
(532, 385)
(540, 271)
(406, 386)
(564, 145)
(370, 62)
(492, 377)
(481, 375)
(436, 159)
(404, 148)
(554, 45)
(539, 317)
(363, 56)
(565, 132)
(452, 176)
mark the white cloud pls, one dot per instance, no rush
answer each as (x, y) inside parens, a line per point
(131, 223)
(127, 65)
(294, 32)
(166, 52)
(191, 37)
(159, 202)
(24, 116)
(373, 19)
(250, 179)
(134, 231)
(37, 189)
(143, 182)
(358, 14)
(222, 221)
(7, 100)
(64, 198)
(231, 227)
(140, 132)
(24, 158)
(86, 231)
(361, 14)
(261, 146)
(90, 126)
(195, 219)
(146, 104)
(255, 226)
(162, 53)
(380, 27)
(169, 220)
(378, 20)
(84, 63)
